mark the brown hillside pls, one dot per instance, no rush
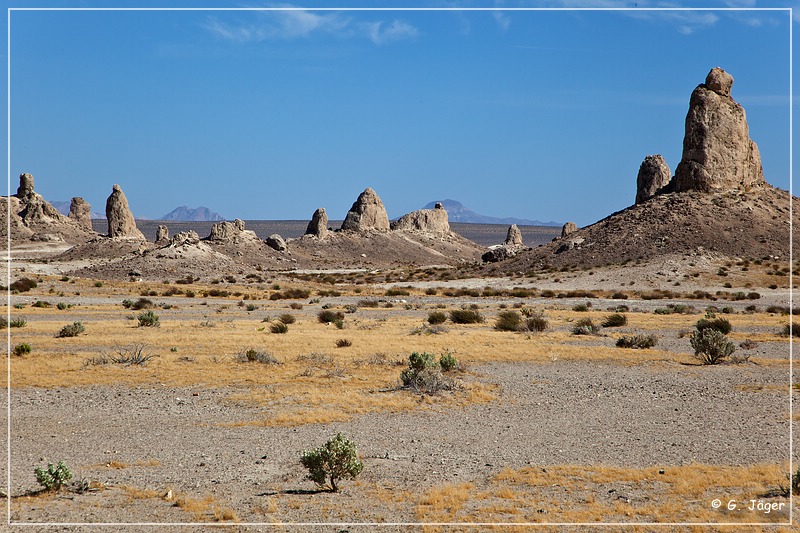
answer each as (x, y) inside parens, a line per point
(751, 224)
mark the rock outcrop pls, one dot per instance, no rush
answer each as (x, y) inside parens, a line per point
(184, 237)
(33, 207)
(162, 233)
(569, 227)
(120, 219)
(318, 227)
(718, 153)
(81, 212)
(233, 232)
(367, 214)
(500, 253)
(654, 175)
(514, 236)
(25, 188)
(276, 242)
(426, 220)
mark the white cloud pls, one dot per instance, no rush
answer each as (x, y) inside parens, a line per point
(294, 24)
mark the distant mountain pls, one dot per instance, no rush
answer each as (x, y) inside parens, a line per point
(456, 212)
(201, 214)
(63, 208)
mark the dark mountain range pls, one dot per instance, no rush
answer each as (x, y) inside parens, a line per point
(458, 213)
(187, 214)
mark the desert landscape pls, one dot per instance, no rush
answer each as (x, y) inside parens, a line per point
(635, 371)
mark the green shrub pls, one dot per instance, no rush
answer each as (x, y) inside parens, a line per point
(616, 320)
(448, 362)
(466, 316)
(41, 304)
(279, 327)
(508, 321)
(710, 345)
(54, 477)
(138, 305)
(335, 460)
(436, 317)
(148, 319)
(585, 326)
(424, 373)
(22, 349)
(637, 341)
(719, 324)
(251, 307)
(72, 330)
(22, 285)
(61, 306)
(326, 316)
(18, 322)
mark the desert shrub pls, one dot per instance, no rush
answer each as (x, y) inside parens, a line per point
(72, 330)
(536, 322)
(585, 326)
(429, 329)
(753, 296)
(326, 316)
(793, 330)
(19, 322)
(466, 316)
(368, 303)
(548, 294)
(296, 306)
(508, 321)
(335, 460)
(436, 317)
(448, 362)
(710, 345)
(3, 322)
(54, 477)
(287, 319)
(637, 341)
(619, 296)
(126, 356)
(719, 324)
(581, 308)
(343, 343)
(22, 349)
(430, 291)
(148, 319)
(279, 327)
(255, 356)
(396, 291)
(424, 373)
(251, 307)
(291, 294)
(23, 285)
(141, 303)
(614, 321)
(748, 344)
(41, 304)
(98, 284)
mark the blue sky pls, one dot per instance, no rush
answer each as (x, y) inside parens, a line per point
(271, 114)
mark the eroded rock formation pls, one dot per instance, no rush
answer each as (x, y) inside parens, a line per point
(120, 219)
(318, 226)
(33, 207)
(162, 233)
(426, 220)
(654, 175)
(367, 214)
(276, 242)
(81, 212)
(514, 236)
(569, 227)
(718, 153)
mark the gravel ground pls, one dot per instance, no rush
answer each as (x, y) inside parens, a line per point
(655, 414)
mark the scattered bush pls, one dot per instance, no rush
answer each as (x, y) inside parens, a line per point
(336, 459)
(255, 356)
(279, 327)
(396, 291)
(368, 303)
(72, 330)
(148, 319)
(126, 356)
(22, 285)
(22, 349)
(585, 326)
(436, 317)
(326, 316)
(41, 304)
(251, 307)
(508, 321)
(614, 321)
(719, 324)
(291, 294)
(581, 308)
(287, 319)
(793, 330)
(63, 306)
(710, 345)
(466, 316)
(343, 343)
(448, 362)
(637, 341)
(619, 296)
(424, 373)
(536, 322)
(54, 477)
